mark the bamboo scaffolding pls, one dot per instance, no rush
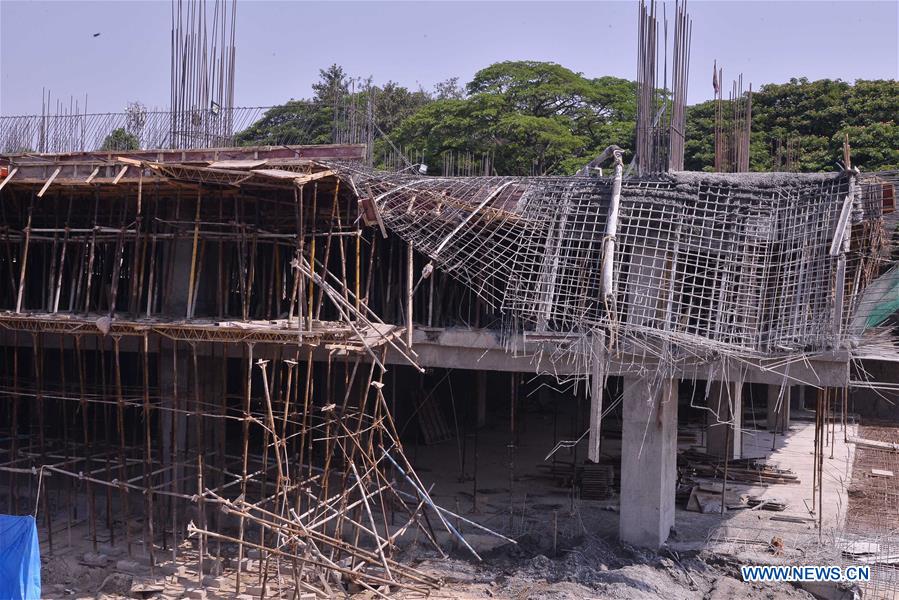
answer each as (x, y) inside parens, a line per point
(301, 460)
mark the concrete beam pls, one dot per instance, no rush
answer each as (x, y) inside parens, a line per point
(648, 461)
(482, 349)
(459, 348)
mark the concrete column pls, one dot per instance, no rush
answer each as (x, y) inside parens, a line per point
(175, 369)
(482, 398)
(797, 398)
(778, 408)
(724, 419)
(648, 461)
(174, 372)
(174, 304)
(597, 382)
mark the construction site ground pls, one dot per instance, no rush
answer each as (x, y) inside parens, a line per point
(567, 546)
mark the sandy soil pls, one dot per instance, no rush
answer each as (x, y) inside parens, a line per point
(566, 548)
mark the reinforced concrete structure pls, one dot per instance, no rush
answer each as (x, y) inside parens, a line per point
(212, 355)
(184, 330)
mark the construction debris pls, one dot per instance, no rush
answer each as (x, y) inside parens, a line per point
(196, 340)
(746, 470)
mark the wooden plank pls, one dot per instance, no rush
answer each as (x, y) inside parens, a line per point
(277, 173)
(314, 176)
(873, 444)
(120, 175)
(299, 178)
(881, 473)
(241, 164)
(371, 215)
(351, 152)
(8, 177)
(40, 194)
(129, 161)
(791, 519)
(92, 175)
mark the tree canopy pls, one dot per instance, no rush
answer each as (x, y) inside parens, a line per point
(530, 117)
(120, 139)
(541, 118)
(337, 101)
(813, 117)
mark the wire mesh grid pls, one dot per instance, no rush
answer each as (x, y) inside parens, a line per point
(804, 547)
(738, 265)
(878, 551)
(297, 123)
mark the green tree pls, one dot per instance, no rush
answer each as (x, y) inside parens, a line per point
(449, 89)
(332, 87)
(392, 103)
(337, 102)
(294, 122)
(531, 117)
(302, 121)
(120, 139)
(813, 117)
(699, 145)
(539, 117)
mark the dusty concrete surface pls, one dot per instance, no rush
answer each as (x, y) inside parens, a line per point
(598, 569)
(567, 546)
(794, 451)
(874, 493)
(589, 567)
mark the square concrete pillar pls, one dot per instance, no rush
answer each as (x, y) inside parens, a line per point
(481, 383)
(174, 373)
(724, 419)
(597, 383)
(648, 461)
(797, 398)
(778, 408)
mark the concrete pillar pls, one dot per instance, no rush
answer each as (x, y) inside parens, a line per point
(175, 369)
(725, 419)
(482, 398)
(778, 408)
(648, 461)
(173, 375)
(797, 398)
(597, 382)
(174, 304)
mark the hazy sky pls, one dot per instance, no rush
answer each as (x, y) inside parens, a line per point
(281, 45)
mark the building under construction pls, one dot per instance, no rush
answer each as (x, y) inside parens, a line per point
(196, 342)
(229, 364)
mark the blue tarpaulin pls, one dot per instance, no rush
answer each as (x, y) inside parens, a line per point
(20, 559)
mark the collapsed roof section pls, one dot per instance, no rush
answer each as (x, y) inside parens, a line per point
(706, 265)
(107, 243)
(262, 165)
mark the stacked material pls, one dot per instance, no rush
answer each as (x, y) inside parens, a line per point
(745, 470)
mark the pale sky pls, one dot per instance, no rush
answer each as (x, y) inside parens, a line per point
(281, 45)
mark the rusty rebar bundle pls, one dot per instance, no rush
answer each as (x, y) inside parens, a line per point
(661, 111)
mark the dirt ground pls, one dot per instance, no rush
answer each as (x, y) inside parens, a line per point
(586, 568)
(567, 546)
(874, 494)
(598, 569)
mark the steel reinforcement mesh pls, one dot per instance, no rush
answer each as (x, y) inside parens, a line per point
(739, 263)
